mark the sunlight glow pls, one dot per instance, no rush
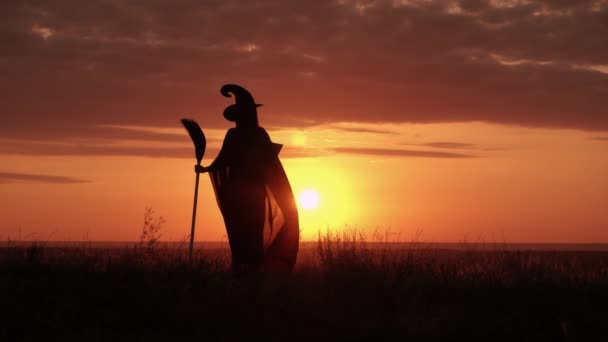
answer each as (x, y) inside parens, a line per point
(309, 199)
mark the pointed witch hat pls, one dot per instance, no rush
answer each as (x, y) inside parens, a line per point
(244, 102)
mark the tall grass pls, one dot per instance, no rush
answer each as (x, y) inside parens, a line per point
(350, 252)
(344, 287)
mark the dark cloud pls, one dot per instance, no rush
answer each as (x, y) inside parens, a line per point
(600, 138)
(119, 133)
(42, 149)
(449, 144)
(79, 132)
(65, 66)
(186, 151)
(7, 177)
(362, 130)
(453, 145)
(401, 153)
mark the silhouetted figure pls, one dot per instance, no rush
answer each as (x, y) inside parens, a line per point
(253, 192)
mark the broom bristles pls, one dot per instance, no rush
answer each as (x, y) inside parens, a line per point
(197, 136)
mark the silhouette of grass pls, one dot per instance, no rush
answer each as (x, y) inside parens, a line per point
(343, 288)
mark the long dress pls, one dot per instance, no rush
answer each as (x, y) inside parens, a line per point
(256, 201)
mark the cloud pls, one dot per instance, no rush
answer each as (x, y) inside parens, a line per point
(67, 68)
(7, 177)
(49, 149)
(453, 145)
(449, 144)
(362, 130)
(120, 133)
(600, 138)
(401, 153)
(78, 149)
(302, 152)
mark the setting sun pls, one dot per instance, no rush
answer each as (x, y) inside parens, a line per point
(309, 199)
(356, 168)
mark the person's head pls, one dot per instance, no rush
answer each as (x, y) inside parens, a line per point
(244, 112)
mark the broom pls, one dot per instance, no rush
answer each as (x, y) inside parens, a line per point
(200, 143)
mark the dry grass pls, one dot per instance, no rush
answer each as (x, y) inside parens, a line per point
(344, 288)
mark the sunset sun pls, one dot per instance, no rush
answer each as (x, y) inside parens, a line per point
(309, 199)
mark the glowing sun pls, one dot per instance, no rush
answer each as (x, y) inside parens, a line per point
(309, 199)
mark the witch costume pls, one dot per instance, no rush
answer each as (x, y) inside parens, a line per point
(253, 192)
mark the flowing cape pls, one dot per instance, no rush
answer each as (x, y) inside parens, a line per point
(281, 231)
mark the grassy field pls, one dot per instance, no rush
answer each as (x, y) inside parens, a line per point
(342, 289)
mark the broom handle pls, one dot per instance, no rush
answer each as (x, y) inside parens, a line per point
(193, 216)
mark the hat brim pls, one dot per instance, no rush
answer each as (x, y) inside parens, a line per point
(231, 112)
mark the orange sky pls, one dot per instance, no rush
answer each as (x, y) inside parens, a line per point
(511, 184)
(463, 120)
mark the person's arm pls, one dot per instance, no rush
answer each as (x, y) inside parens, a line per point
(222, 157)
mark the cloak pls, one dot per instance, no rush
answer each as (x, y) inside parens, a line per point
(256, 201)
